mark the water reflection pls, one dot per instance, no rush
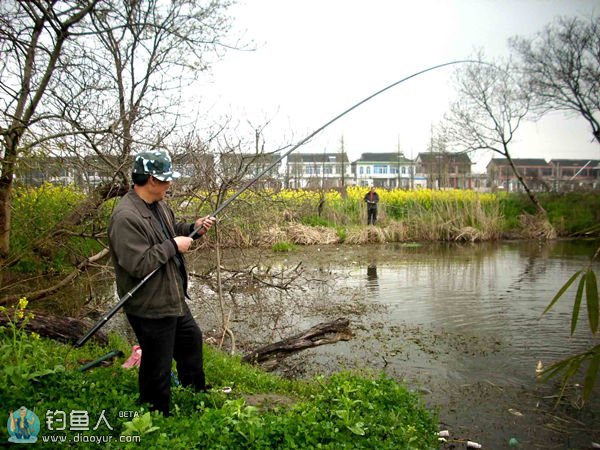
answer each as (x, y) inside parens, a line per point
(446, 315)
(492, 294)
(372, 278)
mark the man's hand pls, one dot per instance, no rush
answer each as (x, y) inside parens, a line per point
(183, 243)
(204, 224)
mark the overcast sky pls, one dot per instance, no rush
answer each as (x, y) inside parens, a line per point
(315, 58)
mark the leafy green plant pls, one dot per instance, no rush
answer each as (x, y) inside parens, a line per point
(568, 367)
(316, 221)
(284, 247)
(347, 410)
(19, 344)
(342, 233)
(139, 426)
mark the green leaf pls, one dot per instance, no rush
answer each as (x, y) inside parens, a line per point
(562, 291)
(145, 420)
(591, 374)
(577, 304)
(591, 292)
(555, 369)
(358, 428)
(39, 373)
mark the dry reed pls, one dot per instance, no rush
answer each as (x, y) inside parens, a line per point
(270, 236)
(369, 235)
(396, 232)
(536, 227)
(306, 235)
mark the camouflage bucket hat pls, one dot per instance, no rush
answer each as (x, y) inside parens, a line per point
(156, 163)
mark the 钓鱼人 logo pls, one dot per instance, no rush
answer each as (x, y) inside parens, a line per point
(23, 426)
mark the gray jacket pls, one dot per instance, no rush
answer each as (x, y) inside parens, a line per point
(138, 246)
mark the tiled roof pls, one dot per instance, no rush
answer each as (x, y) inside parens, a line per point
(317, 158)
(576, 162)
(382, 157)
(430, 157)
(520, 162)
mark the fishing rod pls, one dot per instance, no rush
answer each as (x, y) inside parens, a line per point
(250, 183)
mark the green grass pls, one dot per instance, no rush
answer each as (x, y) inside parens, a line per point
(38, 212)
(284, 247)
(316, 221)
(570, 213)
(347, 410)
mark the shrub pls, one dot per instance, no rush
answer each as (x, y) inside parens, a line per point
(36, 213)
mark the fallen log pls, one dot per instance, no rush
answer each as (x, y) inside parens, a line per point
(59, 328)
(321, 334)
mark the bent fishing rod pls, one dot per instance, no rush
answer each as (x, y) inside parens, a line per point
(104, 319)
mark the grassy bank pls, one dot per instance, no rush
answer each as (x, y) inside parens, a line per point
(262, 410)
(42, 238)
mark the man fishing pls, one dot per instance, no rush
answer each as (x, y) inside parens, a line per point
(372, 199)
(143, 236)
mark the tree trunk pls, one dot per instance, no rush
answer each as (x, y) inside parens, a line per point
(63, 329)
(321, 334)
(7, 170)
(539, 208)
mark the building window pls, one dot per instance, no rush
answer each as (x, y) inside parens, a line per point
(380, 170)
(368, 170)
(361, 170)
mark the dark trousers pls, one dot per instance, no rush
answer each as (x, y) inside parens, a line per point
(163, 340)
(371, 215)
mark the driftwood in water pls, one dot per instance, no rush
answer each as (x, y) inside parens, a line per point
(323, 333)
(64, 329)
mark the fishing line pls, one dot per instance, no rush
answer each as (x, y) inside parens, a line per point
(250, 183)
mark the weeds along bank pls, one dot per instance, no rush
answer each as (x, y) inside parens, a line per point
(53, 228)
(307, 217)
(261, 411)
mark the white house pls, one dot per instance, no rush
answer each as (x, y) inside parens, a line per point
(388, 170)
(318, 170)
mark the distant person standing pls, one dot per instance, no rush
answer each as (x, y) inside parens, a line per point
(372, 199)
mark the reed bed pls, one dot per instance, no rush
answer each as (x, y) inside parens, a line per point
(307, 235)
(369, 235)
(312, 217)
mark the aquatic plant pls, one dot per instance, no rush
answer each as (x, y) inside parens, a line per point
(569, 367)
(283, 247)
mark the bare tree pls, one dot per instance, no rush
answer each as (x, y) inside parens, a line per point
(562, 68)
(438, 160)
(115, 89)
(33, 36)
(490, 108)
(145, 54)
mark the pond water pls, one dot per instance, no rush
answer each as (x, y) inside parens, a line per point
(459, 323)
